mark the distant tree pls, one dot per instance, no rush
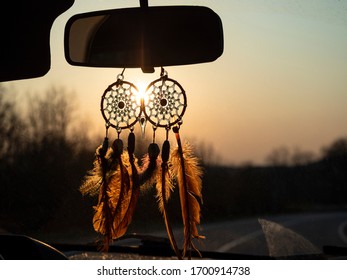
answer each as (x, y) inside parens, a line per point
(46, 172)
(300, 157)
(279, 157)
(283, 156)
(337, 149)
(206, 153)
(50, 115)
(11, 127)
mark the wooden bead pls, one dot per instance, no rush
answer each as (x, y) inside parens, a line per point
(117, 147)
(131, 143)
(165, 153)
(153, 150)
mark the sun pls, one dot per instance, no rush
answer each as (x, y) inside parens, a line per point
(141, 94)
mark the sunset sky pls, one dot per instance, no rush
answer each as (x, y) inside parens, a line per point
(281, 81)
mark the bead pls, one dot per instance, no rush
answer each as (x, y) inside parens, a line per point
(118, 147)
(165, 153)
(131, 143)
(153, 150)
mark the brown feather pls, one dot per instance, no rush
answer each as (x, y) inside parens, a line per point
(147, 173)
(164, 188)
(128, 198)
(188, 174)
(95, 177)
(116, 204)
(149, 166)
(102, 220)
(129, 191)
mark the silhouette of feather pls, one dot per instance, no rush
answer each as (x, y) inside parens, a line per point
(118, 201)
(104, 211)
(100, 179)
(96, 177)
(146, 172)
(131, 194)
(188, 175)
(149, 167)
(126, 202)
(114, 199)
(164, 188)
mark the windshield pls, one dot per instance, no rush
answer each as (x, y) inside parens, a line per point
(267, 121)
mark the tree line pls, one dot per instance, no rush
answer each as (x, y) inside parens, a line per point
(41, 164)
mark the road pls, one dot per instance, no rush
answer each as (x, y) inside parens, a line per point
(275, 235)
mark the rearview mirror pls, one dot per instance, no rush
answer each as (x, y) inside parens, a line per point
(144, 37)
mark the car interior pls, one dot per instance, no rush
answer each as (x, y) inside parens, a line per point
(162, 198)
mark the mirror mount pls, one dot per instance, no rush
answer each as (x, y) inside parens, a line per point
(149, 69)
(144, 4)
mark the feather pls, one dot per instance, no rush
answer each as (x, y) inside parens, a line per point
(95, 177)
(188, 175)
(115, 206)
(129, 201)
(100, 179)
(147, 176)
(164, 188)
(127, 195)
(96, 181)
(148, 171)
(103, 216)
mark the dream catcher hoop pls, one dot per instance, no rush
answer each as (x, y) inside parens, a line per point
(119, 106)
(117, 178)
(166, 102)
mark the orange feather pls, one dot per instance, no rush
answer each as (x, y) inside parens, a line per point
(188, 174)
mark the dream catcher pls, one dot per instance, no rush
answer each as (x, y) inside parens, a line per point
(117, 178)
